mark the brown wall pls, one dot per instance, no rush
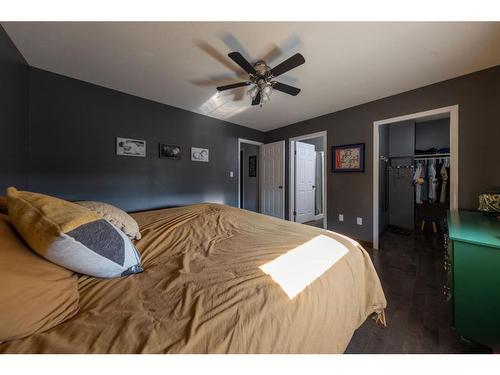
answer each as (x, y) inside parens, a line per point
(478, 97)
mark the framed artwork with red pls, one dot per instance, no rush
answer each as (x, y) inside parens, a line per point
(348, 158)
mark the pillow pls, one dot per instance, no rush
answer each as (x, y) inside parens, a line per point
(35, 295)
(71, 235)
(116, 216)
(3, 205)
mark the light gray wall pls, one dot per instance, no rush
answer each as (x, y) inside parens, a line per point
(250, 184)
(14, 77)
(477, 95)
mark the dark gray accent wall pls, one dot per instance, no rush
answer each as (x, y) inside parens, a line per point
(14, 75)
(402, 139)
(432, 134)
(477, 95)
(73, 126)
(383, 189)
(401, 190)
(250, 184)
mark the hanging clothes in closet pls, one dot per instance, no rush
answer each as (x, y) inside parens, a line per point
(431, 180)
(444, 173)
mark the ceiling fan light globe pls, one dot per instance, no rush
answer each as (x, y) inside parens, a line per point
(267, 90)
(253, 92)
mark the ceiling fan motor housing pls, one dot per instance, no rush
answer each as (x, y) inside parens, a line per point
(261, 68)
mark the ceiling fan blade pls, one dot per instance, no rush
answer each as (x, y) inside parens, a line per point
(233, 86)
(290, 90)
(242, 62)
(287, 65)
(256, 100)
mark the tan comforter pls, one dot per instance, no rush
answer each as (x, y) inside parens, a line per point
(202, 291)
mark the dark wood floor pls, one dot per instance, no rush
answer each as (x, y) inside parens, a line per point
(410, 269)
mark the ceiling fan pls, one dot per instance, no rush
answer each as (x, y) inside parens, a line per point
(261, 76)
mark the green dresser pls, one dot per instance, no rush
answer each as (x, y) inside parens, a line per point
(472, 261)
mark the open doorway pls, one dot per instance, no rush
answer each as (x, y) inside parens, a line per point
(415, 179)
(248, 174)
(307, 199)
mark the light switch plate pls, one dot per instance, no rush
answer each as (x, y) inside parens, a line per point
(359, 221)
(341, 217)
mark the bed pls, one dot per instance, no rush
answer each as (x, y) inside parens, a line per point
(203, 290)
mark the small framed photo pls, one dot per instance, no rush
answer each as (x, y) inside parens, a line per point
(130, 147)
(199, 154)
(252, 166)
(348, 158)
(170, 151)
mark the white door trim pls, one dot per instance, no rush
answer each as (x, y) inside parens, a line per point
(240, 141)
(323, 173)
(291, 195)
(453, 112)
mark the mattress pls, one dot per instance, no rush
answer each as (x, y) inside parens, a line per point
(204, 290)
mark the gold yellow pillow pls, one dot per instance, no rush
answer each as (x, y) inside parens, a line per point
(72, 236)
(35, 295)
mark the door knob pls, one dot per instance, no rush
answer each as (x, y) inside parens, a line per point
(314, 186)
(280, 187)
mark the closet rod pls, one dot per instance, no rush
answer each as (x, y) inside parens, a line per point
(430, 156)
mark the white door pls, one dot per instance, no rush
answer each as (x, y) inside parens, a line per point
(305, 179)
(272, 195)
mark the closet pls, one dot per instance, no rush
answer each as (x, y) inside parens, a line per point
(414, 174)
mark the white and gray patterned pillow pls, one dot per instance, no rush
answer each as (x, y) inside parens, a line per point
(96, 249)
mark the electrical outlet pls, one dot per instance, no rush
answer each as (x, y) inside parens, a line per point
(359, 221)
(341, 217)
(231, 174)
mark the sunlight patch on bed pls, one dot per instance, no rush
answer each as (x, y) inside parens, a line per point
(299, 267)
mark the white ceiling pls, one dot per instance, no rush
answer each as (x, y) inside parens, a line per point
(181, 63)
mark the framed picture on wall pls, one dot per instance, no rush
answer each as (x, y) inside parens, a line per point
(170, 151)
(348, 158)
(199, 154)
(252, 166)
(130, 147)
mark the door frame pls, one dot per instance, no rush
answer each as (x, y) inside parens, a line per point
(291, 195)
(249, 141)
(453, 113)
